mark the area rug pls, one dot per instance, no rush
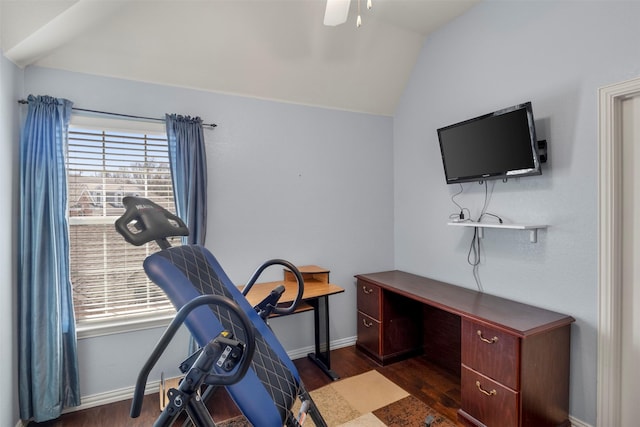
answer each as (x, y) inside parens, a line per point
(366, 400)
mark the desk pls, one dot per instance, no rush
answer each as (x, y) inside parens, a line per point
(317, 290)
(512, 358)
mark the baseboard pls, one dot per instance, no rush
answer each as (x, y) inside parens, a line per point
(336, 344)
(99, 399)
(578, 423)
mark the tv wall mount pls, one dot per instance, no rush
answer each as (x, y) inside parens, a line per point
(542, 151)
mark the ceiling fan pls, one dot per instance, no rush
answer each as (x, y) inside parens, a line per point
(337, 11)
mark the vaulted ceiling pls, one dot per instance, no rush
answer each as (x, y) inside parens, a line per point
(271, 49)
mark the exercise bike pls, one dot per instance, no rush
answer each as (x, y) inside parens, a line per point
(238, 350)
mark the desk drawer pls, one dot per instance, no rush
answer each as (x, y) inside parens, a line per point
(369, 334)
(491, 352)
(488, 401)
(368, 299)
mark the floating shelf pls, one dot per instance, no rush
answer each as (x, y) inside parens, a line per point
(533, 229)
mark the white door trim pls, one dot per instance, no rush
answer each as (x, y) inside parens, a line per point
(609, 249)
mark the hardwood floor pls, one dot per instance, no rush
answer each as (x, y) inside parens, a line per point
(434, 386)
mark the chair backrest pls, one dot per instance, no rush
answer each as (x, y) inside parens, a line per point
(270, 387)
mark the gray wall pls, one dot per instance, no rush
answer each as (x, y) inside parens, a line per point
(311, 185)
(11, 81)
(555, 54)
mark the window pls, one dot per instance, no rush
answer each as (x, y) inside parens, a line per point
(103, 165)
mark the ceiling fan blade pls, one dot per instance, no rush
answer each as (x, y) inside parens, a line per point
(336, 12)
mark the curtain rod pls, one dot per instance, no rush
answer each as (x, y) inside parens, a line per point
(23, 101)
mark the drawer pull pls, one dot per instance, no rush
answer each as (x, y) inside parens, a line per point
(488, 393)
(365, 290)
(488, 341)
(367, 324)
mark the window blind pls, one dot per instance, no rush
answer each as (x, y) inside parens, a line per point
(103, 166)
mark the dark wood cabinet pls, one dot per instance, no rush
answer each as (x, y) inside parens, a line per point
(388, 324)
(512, 358)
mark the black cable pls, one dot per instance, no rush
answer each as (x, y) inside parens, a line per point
(495, 216)
(460, 216)
(476, 276)
(474, 254)
(457, 194)
(487, 197)
(475, 247)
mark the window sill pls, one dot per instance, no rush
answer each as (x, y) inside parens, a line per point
(110, 327)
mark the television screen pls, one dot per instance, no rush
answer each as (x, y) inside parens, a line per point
(498, 145)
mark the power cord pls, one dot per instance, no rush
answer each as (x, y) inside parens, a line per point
(475, 248)
(459, 217)
(495, 216)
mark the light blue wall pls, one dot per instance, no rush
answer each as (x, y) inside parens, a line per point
(555, 54)
(311, 185)
(11, 81)
(318, 186)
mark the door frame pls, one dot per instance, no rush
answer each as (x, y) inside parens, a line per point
(610, 248)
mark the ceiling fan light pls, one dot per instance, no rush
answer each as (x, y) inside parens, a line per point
(336, 12)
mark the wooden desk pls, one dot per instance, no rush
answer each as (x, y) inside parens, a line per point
(512, 358)
(317, 290)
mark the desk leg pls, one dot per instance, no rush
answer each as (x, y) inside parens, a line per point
(321, 356)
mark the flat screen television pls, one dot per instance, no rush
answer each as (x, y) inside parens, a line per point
(498, 145)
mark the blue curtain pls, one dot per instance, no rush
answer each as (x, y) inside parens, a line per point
(188, 162)
(48, 368)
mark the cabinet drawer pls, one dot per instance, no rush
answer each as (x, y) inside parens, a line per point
(491, 352)
(488, 401)
(369, 334)
(368, 299)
